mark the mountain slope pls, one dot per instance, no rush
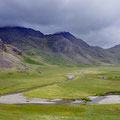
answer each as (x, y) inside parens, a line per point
(116, 51)
(91, 51)
(9, 56)
(60, 47)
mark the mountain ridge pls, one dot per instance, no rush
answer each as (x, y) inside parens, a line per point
(64, 45)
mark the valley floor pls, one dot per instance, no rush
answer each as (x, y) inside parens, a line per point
(88, 81)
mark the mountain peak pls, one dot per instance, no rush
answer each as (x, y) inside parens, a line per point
(65, 34)
(22, 31)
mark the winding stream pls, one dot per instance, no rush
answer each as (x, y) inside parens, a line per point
(18, 98)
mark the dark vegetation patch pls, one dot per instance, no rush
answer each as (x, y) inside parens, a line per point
(28, 60)
(112, 93)
(86, 100)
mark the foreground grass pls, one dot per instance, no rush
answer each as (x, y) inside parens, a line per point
(91, 82)
(88, 83)
(32, 78)
(36, 112)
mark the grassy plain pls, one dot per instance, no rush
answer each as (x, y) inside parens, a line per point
(11, 80)
(88, 81)
(92, 81)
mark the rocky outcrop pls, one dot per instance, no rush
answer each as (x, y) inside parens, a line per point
(9, 56)
(2, 46)
(18, 52)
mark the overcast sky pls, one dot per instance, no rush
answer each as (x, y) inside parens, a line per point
(95, 21)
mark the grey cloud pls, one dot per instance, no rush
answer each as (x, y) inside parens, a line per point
(106, 38)
(91, 20)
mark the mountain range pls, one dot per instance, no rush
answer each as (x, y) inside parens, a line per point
(21, 45)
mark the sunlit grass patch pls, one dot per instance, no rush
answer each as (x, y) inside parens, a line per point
(92, 81)
(12, 80)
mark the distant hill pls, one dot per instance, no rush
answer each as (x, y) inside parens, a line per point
(58, 48)
(115, 51)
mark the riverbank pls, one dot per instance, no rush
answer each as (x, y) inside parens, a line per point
(18, 98)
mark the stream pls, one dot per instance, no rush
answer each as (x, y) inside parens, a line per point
(18, 98)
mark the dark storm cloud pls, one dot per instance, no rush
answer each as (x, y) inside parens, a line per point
(96, 21)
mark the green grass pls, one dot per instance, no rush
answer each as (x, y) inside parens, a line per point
(28, 60)
(89, 83)
(54, 59)
(37, 112)
(31, 78)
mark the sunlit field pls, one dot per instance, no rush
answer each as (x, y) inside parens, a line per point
(90, 81)
(11, 80)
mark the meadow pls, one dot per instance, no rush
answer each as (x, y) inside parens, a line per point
(88, 81)
(11, 80)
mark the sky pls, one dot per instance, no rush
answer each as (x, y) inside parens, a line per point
(95, 21)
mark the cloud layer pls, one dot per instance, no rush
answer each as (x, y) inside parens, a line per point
(96, 21)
